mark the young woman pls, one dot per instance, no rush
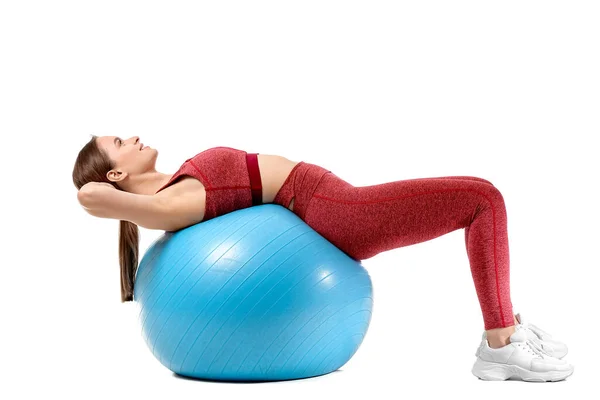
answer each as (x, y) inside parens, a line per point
(117, 179)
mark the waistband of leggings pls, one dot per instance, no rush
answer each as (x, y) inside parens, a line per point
(300, 184)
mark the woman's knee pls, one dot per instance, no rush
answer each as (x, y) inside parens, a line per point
(493, 194)
(474, 178)
(485, 181)
(465, 178)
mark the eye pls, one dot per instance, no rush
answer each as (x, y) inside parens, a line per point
(119, 141)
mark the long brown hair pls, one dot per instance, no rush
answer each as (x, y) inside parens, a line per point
(92, 165)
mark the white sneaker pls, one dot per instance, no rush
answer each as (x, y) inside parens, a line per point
(522, 359)
(549, 345)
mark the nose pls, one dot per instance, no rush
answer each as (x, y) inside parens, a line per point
(135, 139)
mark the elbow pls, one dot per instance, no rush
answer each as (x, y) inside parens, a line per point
(84, 198)
(89, 203)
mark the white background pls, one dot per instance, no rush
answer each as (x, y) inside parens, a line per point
(374, 91)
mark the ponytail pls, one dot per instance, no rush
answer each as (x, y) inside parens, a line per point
(129, 236)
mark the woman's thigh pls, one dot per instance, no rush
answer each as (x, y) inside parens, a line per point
(366, 220)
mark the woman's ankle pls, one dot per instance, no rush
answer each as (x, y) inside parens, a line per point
(499, 337)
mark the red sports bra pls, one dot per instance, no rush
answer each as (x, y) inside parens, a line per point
(230, 176)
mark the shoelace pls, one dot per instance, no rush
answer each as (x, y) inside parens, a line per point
(535, 345)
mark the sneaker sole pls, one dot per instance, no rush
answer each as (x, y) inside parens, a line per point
(489, 371)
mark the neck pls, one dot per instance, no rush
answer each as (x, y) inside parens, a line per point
(147, 184)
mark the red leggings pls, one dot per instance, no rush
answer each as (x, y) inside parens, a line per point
(366, 220)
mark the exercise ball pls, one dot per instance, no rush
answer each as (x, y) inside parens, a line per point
(252, 295)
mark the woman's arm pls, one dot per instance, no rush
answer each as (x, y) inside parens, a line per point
(105, 201)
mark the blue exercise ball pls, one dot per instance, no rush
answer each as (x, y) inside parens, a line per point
(252, 295)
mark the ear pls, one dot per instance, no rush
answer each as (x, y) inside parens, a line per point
(115, 175)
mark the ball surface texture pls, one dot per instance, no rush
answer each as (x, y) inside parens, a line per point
(252, 295)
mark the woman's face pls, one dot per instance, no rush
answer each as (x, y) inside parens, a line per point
(127, 154)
